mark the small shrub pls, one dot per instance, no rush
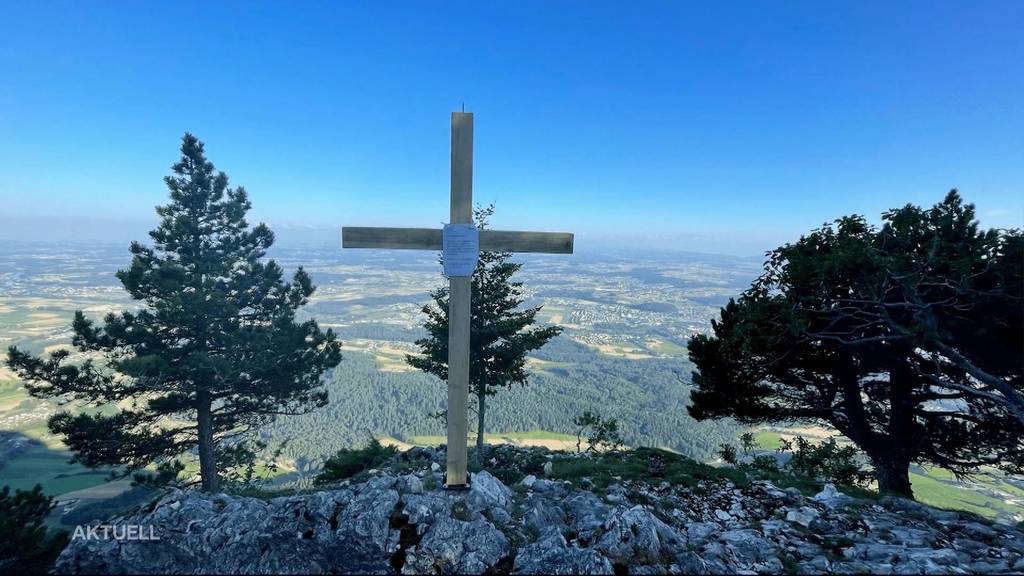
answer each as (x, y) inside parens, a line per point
(602, 434)
(727, 452)
(828, 461)
(351, 461)
(763, 464)
(461, 511)
(748, 442)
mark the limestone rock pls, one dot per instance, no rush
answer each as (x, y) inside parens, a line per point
(551, 554)
(486, 491)
(802, 516)
(396, 522)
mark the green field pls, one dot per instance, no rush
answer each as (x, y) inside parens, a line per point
(667, 348)
(987, 494)
(49, 468)
(536, 436)
(767, 440)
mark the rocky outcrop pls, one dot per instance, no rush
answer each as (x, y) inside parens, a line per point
(403, 522)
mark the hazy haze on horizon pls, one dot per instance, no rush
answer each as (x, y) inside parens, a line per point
(711, 128)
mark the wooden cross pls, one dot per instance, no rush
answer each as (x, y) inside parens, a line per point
(459, 286)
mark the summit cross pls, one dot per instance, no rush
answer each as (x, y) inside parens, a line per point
(460, 285)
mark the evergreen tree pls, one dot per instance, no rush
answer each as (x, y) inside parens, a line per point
(214, 352)
(25, 545)
(881, 333)
(500, 333)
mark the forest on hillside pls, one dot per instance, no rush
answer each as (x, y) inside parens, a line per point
(649, 398)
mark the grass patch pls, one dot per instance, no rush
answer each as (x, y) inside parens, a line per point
(932, 490)
(645, 464)
(667, 348)
(351, 461)
(766, 440)
(52, 470)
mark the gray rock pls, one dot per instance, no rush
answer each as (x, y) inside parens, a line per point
(770, 489)
(874, 552)
(615, 494)
(550, 488)
(814, 565)
(978, 530)
(697, 532)
(909, 536)
(453, 546)
(412, 484)
(486, 491)
(987, 567)
(772, 527)
(391, 522)
(551, 554)
(749, 544)
(802, 516)
(421, 509)
(831, 497)
(636, 536)
(200, 533)
(941, 557)
(540, 513)
(586, 513)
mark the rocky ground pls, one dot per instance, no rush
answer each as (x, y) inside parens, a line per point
(399, 520)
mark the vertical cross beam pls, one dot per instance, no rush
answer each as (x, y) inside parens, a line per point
(459, 296)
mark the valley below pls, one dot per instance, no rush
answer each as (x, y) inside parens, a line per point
(626, 319)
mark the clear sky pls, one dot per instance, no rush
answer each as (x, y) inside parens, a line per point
(711, 126)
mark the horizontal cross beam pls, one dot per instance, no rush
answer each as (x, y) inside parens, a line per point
(430, 239)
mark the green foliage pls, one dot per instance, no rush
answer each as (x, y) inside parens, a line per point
(748, 442)
(215, 347)
(501, 331)
(166, 473)
(25, 545)
(248, 464)
(351, 461)
(643, 464)
(727, 452)
(873, 330)
(602, 434)
(399, 404)
(827, 461)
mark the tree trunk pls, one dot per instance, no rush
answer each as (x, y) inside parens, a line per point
(480, 408)
(892, 456)
(893, 475)
(207, 456)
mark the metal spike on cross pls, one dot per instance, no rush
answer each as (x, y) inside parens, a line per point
(461, 244)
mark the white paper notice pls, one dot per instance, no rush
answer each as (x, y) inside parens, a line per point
(461, 248)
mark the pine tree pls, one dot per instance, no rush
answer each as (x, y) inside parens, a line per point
(500, 333)
(213, 353)
(906, 338)
(26, 545)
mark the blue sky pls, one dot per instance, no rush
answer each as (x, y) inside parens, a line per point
(698, 126)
